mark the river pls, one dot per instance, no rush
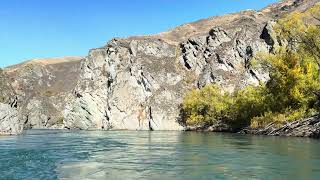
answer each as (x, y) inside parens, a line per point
(57, 154)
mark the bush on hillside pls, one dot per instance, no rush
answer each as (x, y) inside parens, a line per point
(292, 93)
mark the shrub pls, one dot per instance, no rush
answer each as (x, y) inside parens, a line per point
(204, 107)
(249, 103)
(60, 120)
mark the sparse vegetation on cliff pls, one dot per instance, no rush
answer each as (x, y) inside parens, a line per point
(292, 93)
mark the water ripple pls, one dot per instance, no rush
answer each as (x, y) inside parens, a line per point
(51, 154)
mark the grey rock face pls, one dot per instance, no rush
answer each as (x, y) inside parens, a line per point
(41, 86)
(128, 85)
(139, 83)
(10, 120)
(223, 56)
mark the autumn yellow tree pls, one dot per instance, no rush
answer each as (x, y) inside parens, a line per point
(292, 93)
(301, 32)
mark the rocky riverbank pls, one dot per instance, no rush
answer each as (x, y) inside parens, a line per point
(309, 127)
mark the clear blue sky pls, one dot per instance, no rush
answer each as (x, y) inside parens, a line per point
(53, 28)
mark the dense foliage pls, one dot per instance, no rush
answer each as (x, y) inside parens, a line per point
(293, 91)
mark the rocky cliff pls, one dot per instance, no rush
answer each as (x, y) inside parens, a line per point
(10, 120)
(138, 83)
(41, 86)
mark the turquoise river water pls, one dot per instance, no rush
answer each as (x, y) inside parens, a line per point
(52, 154)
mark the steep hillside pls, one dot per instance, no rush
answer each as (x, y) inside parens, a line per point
(139, 82)
(41, 85)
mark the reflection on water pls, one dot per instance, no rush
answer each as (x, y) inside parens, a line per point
(52, 154)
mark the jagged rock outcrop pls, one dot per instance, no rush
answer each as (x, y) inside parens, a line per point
(138, 82)
(302, 128)
(11, 122)
(128, 84)
(41, 86)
